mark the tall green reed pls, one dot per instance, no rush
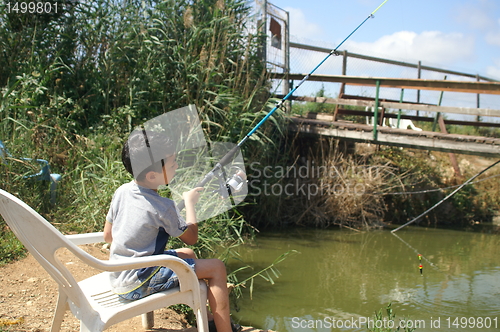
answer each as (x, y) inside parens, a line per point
(81, 81)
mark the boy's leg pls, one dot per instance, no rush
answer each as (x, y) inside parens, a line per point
(214, 271)
(185, 253)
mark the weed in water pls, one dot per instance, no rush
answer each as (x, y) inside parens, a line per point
(389, 323)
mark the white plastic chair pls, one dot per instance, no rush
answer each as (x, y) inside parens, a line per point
(370, 119)
(403, 123)
(91, 300)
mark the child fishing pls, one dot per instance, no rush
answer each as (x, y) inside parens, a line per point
(140, 222)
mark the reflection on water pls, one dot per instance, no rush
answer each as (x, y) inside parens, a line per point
(346, 276)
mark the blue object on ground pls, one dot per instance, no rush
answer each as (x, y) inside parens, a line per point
(43, 175)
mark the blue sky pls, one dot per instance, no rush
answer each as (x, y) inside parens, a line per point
(462, 35)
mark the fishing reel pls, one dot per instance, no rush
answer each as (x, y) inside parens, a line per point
(228, 186)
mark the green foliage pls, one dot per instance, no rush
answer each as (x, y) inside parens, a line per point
(10, 247)
(186, 311)
(419, 175)
(385, 324)
(111, 66)
(302, 108)
(269, 274)
(73, 86)
(106, 67)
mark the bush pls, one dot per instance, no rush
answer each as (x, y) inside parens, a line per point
(73, 86)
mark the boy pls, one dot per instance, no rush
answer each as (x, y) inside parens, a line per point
(140, 222)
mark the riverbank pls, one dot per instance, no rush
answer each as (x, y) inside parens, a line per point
(28, 296)
(325, 183)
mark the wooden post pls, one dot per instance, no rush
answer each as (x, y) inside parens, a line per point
(419, 75)
(288, 84)
(344, 63)
(400, 101)
(148, 320)
(438, 114)
(478, 118)
(342, 86)
(336, 112)
(375, 112)
(382, 117)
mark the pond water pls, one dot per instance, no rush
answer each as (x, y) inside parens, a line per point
(340, 278)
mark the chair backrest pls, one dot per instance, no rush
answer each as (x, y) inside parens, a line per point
(43, 240)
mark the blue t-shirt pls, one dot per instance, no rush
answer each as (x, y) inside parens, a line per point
(143, 221)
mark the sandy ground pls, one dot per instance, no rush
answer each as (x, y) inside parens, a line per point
(28, 297)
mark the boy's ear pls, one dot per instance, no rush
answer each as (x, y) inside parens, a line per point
(150, 176)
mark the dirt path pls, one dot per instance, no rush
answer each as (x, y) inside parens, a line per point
(28, 296)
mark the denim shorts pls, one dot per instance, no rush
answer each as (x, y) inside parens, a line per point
(162, 280)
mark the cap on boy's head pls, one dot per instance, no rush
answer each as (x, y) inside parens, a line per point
(143, 152)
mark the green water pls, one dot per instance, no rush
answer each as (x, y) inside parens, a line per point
(340, 278)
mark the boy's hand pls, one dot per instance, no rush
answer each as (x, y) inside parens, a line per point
(192, 196)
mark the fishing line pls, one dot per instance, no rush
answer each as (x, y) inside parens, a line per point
(434, 266)
(432, 190)
(230, 155)
(447, 197)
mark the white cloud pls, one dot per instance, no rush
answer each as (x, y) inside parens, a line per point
(431, 47)
(300, 27)
(493, 38)
(481, 17)
(475, 17)
(494, 71)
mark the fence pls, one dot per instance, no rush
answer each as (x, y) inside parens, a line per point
(304, 57)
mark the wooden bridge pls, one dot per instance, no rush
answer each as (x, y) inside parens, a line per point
(324, 124)
(375, 110)
(379, 110)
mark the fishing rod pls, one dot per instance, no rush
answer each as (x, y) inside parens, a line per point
(218, 168)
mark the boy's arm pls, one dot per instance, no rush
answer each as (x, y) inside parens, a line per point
(108, 236)
(190, 236)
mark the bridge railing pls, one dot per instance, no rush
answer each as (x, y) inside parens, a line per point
(365, 67)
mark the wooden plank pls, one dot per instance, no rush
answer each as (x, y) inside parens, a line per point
(422, 118)
(401, 83)
(398, 137)
(389, 130)
(383, 99)
(405, 106)
(330, 117)
(388, 61)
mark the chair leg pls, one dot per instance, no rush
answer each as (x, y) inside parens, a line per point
(54, 179)
(62, 305)
(148, 320)
(85, 328)
(202, 319)
(201, 313)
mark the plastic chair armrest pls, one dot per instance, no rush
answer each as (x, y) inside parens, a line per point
(138, 263)
(87, 238)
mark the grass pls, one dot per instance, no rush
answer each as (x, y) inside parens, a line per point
(10, 247)
(102, 70)
(380, 174)
(388, 322)
(99, 71)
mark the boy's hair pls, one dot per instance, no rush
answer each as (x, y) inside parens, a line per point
(145, 151)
